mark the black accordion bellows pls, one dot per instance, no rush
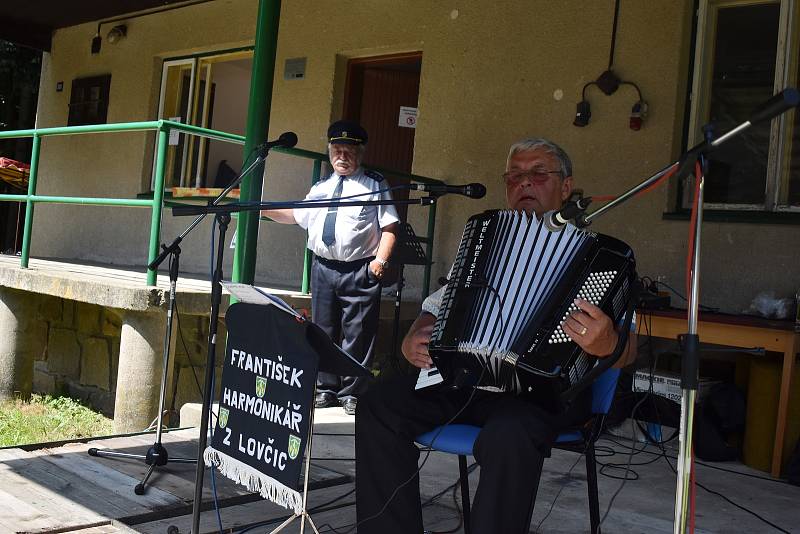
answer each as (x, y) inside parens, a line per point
(512, 285)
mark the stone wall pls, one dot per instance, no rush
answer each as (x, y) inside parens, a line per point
(77, 354)
(79, 351)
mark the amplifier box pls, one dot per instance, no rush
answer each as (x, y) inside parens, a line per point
(668, 385)
(653, 301)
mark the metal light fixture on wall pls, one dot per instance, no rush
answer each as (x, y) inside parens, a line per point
(114, 35)
(117, 33)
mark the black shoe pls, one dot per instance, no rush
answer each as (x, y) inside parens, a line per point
(349, 405)
(325, 400)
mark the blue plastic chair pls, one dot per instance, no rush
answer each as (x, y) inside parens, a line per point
(460, 439)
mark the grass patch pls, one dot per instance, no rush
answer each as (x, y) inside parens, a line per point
(45, 418)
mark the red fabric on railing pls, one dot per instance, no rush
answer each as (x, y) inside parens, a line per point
(14, 172)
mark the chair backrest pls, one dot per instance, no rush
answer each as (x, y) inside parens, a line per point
(603, 390)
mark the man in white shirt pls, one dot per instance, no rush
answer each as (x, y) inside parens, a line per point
(352, 246)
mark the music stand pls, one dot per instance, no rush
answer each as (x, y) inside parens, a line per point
(407, 251)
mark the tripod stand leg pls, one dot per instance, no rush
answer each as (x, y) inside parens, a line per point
(139, 489)
(310, 522)
(157, 454)
(304, 512)
(285, 523)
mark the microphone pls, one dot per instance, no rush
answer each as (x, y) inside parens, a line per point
(470, 190)
(556, 220)
(286, 140)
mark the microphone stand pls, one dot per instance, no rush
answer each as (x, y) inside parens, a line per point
(157, 455)
(773, 107)
(223, 217)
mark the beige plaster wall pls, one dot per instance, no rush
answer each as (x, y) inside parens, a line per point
(492, 72)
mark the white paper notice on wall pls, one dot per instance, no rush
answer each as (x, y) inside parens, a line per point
(175, 135)
(408, 117)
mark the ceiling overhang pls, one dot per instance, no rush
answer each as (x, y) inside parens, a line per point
(32, 23)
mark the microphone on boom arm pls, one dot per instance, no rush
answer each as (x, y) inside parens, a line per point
(572, 209)
(474, 190)
(286, 140)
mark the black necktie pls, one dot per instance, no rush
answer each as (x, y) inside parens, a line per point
(329, 229)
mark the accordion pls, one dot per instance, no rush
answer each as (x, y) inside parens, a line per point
(512, 285)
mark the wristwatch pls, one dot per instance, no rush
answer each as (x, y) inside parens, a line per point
(383, 263)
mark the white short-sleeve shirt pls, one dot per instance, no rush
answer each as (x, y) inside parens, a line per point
(358, 228)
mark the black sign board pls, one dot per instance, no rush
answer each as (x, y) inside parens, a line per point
(266, 399)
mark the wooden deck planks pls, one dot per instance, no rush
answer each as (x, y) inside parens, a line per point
(175, 478)
(30, 472)
(242, 516)
(63, 488)
(78, 462)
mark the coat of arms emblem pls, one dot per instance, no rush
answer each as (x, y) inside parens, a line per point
(223, 417)
(294, 446)
(261, 386)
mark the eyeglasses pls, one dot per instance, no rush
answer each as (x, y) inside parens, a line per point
(533, 175)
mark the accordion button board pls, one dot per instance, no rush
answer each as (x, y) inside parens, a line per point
(513, 283)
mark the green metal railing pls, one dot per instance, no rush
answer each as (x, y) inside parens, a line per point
(163, 128)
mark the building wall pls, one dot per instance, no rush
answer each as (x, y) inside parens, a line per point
(492, 72)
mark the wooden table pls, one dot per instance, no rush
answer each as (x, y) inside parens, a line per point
(740, 331)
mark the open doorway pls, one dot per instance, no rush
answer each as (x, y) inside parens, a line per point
(379, 92)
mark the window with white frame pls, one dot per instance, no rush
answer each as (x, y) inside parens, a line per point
(211, 91)
(747, 51)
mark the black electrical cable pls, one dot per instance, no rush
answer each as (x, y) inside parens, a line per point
(611, 438)
(627, 469)
(662, 450)
(316, 509)
(552, 504)
(613, 35)
(186, 350)
(454, 488)
(662, 454)
(739, 506)
(679, 295)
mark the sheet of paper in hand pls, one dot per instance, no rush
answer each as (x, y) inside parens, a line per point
(266, 399)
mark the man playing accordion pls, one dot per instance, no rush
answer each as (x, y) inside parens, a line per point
(516, 433)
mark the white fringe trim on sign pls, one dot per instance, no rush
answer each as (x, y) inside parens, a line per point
(253, 480)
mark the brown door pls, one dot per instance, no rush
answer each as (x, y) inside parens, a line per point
(375, 91)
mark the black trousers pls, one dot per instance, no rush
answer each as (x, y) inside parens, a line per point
(345, 303)
(515, 438)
